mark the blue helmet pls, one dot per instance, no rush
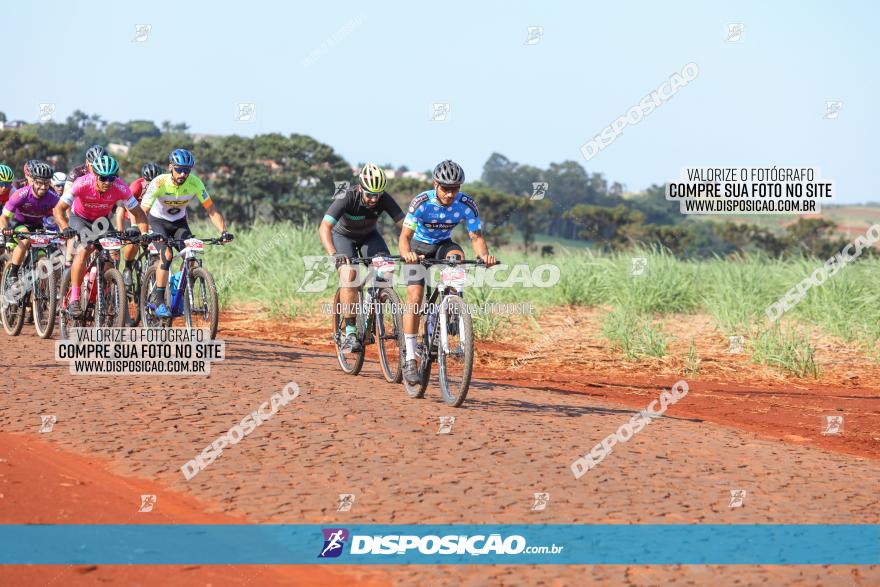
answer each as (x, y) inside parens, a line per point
(182, 157)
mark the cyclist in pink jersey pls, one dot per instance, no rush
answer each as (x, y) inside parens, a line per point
(91, 200)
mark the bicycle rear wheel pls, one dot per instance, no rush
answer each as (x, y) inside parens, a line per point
(202, 311)
(455, 358)
(349, 362)
(45, 301)
(133, 294)
(390, 336)
(12, 310)
(425, 353)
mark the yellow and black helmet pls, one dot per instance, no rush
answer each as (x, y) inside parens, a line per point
(373, 178)
(6, 174)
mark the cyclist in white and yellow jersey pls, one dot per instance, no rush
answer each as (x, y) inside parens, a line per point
(165, 203)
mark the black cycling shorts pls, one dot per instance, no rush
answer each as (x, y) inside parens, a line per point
(174, 229)
(85, 227)
(435, 251)
(368, 246)
(16, 225)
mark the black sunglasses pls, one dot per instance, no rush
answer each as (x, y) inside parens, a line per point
(183, 170)
(107, 178)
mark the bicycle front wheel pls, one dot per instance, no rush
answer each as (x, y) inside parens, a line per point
(200, 302)
(112, 310)
(455, 355)
(45, 299)
(12, 310)
(350, 362)
(389, 333)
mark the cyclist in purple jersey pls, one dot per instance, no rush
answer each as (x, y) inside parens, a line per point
(26, 209)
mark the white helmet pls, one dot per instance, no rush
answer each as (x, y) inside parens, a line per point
(59, 178)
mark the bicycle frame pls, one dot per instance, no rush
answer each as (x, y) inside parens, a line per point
(371, 295)
(192, 247)
(435, 298)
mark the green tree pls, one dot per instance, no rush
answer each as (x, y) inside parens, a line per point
(16, 148)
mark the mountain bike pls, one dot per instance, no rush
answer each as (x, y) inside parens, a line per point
(147, 256)
(195, 295)
(36, 287)
(447, 334)
(378, 317)
(102, 298)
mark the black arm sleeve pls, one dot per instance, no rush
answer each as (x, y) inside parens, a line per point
(391, 207)
(337, 208)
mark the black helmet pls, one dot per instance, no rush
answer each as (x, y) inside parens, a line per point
(39, 169)
(449, 173)
(94, 152)
(150, 170)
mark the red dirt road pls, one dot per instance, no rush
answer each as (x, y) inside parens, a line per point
(363, 436)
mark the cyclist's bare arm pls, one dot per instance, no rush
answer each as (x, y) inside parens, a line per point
(120, 218)
(140, 218)
(480, 247)
(216, 217)
(60, 214)
(324, 231)
(403, 245)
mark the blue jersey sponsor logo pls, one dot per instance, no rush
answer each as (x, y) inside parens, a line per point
(434, 223)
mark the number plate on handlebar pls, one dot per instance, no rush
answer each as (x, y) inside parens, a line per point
(453, 277)
(40, 242)
(383, 266)
(110, 243)
(194, 245)
(151, 248)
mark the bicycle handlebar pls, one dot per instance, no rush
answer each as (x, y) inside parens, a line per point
(452, 261)
(114, 234)
(370, 259)
(180, 241)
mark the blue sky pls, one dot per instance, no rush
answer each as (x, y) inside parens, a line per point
(368, 91)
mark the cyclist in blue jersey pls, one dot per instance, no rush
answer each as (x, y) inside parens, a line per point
(427, 232)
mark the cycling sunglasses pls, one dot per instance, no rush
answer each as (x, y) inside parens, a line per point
(5, 184)
(107, 178)
(372, 195)
(183, 170)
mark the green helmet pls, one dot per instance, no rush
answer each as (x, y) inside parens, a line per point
(105, 165)
(372, 178)
(6, 173)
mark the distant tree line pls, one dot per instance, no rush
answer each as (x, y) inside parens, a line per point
(275, 177)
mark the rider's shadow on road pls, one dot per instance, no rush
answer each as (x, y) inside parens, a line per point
(255, 351)
(514, 405)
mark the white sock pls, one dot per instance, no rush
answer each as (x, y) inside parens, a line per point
(410, 346)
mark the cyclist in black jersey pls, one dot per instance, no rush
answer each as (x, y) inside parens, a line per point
(349, 230)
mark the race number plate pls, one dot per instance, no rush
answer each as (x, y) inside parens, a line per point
(110, 244)
(40, 242)
(194, 245)
(453, 277)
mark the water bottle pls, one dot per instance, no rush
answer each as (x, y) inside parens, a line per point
(174, 283)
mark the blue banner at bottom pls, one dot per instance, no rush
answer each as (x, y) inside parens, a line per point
(517, 544)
